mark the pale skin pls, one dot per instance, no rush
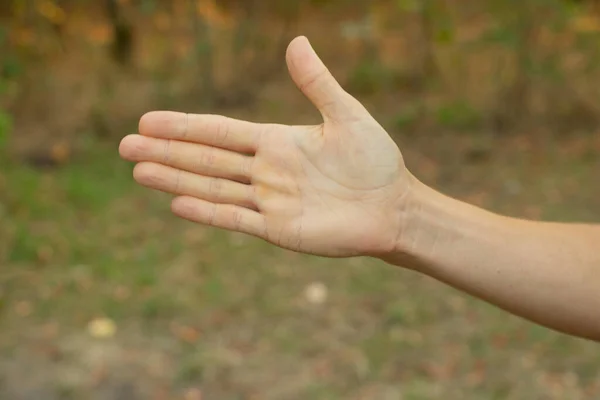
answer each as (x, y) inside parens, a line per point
(341, 189)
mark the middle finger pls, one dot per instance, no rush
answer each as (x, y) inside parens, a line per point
(192, 157)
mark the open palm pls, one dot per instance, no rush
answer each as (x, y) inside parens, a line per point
(334, 189)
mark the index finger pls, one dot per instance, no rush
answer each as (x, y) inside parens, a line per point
(208, 129)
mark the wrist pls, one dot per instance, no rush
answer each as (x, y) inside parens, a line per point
(430, 226)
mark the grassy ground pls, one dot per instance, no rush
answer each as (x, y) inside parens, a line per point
(228, 316)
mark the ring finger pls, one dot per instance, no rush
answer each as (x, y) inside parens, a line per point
(179, 182)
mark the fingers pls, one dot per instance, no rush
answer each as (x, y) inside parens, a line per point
(211, 130)
(178, 182)
(316, 82)
(225, 216)
(191, 157)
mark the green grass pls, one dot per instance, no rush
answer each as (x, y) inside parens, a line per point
(205, 308)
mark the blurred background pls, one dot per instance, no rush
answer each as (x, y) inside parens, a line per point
(105, 295)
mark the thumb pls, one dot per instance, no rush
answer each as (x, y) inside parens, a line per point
(316, 82)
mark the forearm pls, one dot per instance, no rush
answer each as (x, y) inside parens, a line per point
(548, 273)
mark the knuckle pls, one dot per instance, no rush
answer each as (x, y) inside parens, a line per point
(237, 219)
(247, 167)
(206, 158)
(212, 215)
(222, 131)
(185, 126)
(251, 197)
(177, 184)
(167, 151)
(215, 188)
(315, 78)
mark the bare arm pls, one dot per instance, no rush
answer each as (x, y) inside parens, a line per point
(548, 273)
(341, 189)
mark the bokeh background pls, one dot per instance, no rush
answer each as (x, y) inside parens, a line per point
(105, 295)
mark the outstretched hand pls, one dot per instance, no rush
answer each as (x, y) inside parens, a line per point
(337, 189)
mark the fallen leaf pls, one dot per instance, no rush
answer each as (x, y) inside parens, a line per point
(193, 394)
(102, 328)
(122, 293)
(185, 333)
(23, 308)
(316, 293)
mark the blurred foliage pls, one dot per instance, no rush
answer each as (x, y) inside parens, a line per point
(114, 59)
(371, 77)
(9, 69)
(408, 116)
(459, 115)
(5, 127)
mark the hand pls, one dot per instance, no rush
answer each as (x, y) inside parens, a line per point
(337, 189)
